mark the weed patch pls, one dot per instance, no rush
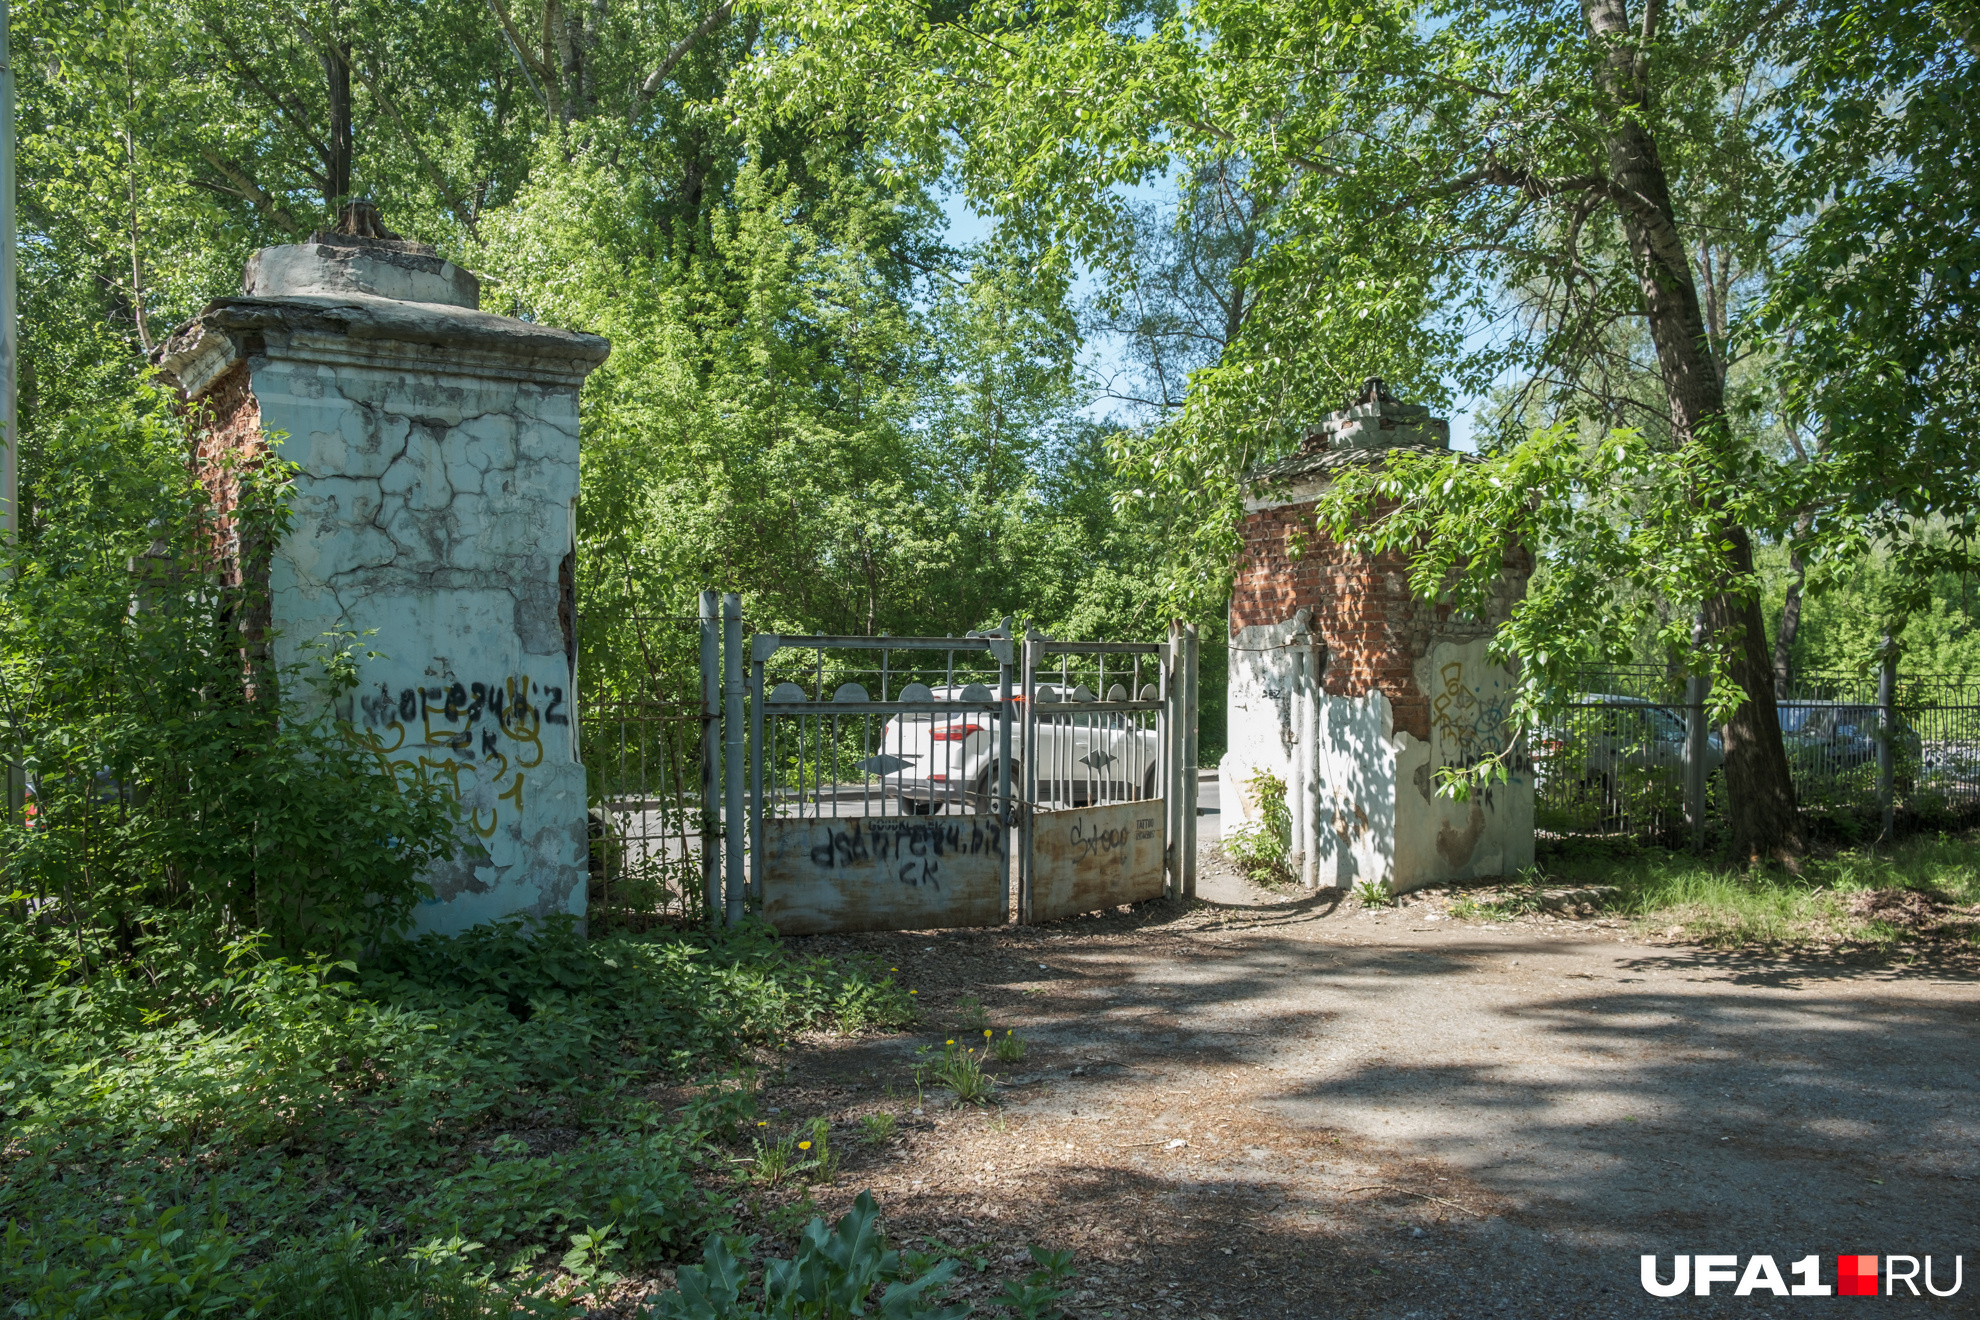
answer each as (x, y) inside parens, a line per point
(1009, 1048)
(452, 1117)
(1258, 848)
(961, 1070)
(834, 1274)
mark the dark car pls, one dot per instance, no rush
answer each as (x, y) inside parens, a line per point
(1840, 735)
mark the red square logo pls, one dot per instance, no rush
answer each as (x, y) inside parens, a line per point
(1856, 1276)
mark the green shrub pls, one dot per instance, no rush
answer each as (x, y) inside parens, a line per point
(181, 792)
(301, 1097)
(640, 1183)
(1259, 848)
(832, 1277)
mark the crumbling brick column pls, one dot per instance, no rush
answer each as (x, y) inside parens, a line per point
(1353, 691)
(438, 454)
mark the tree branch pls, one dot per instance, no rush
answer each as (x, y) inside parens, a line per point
(534, 73)
(385, 103)
(717, 18)
(1496, 175)
(1312, 166)
(296, 114)
(245, 188)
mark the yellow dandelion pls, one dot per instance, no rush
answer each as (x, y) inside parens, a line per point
(804, 1145)
(914, 992)
(948, 1042)
(986, 1031)
(761, 1123)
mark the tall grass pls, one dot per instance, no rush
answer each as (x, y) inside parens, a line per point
(1718, 904)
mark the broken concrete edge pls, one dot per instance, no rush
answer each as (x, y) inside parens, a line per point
(1370, 427)
(333, 266)
(1278, 483)
(365, 330)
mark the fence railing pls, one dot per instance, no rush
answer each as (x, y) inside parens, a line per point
(643, 738)
(642, 761)
(1629, 755)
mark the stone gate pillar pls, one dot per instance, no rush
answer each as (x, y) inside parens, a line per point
(438, 448)
(1353, 692)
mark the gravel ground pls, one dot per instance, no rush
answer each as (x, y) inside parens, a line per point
(1287, 1106)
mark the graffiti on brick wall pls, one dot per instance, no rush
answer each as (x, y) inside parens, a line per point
(478, 740)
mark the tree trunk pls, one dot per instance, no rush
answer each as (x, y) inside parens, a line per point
(1759, 783)
(336, 60)
(1790, 625)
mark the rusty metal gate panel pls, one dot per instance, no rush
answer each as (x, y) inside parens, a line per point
(885, 873)
(888, 813)
(1088, 858)
(1102, 757)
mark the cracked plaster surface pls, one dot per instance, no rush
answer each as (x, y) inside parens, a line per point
(432, 512)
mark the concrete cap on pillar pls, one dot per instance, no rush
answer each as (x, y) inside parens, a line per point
(1374, 420)
(362, 257)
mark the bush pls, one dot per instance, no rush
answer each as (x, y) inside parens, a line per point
(832, 1276)
(180, 793)
(1259, 848)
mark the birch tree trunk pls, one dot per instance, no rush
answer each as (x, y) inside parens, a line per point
(1759, 783)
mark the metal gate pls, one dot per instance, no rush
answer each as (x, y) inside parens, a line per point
(886, 804)
(1103, 755)
(900, 783)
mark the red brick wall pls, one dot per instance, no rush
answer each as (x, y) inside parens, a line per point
(1361, 607)
(227, 421)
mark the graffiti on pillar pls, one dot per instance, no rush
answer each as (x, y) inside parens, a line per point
(1467, 727)
(478, 740)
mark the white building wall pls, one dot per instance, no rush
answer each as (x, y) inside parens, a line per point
(1364, 794)
(438, 454)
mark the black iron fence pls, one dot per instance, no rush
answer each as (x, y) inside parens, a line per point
(1630, 756)
(643, 738)
(642, 762)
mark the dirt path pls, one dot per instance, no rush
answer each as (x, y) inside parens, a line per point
(1290, 1108)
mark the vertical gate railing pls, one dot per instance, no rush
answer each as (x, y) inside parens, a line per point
(642, 741)
(880, 812)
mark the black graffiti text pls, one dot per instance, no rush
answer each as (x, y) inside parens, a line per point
(912, 848)
(1099, 843)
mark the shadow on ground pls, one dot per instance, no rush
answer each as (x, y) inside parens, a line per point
(1290, 1109)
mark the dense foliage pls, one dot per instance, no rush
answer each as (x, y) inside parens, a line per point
(813, 398)
(1714, 266)
(179, 793)
(1733, 231)
(469, 1100)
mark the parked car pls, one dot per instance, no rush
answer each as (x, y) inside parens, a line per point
(946, 759)
(1603, 741)
(1834, 736)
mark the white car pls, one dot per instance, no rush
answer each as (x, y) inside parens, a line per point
(948, 759)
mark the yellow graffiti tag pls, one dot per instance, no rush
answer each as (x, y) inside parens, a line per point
(516, 719)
